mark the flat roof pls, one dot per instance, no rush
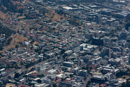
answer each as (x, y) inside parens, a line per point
(68, 8)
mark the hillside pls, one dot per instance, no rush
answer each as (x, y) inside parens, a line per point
(10, 5)
(6, 31)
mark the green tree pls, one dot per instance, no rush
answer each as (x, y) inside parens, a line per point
(16, 46)
(39, 81)
(54, 85)
(16, 75)
(42, 75)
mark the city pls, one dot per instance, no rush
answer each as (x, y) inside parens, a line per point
(65, 43)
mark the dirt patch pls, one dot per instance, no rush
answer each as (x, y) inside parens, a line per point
(54, 16)
(15, 40)
(20, 38)
(21, 17)
(35, 43)
(4, 7)
(2, 15)
(58, 17)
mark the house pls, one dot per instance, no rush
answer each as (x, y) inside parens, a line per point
(10, 85)
(23, 86)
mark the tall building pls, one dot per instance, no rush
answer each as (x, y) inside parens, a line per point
(106, 52)
(123, 34)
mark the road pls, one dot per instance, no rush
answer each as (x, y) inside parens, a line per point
(88, 78)
(108, 6)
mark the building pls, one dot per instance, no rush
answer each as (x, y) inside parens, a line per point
(108, 76)
(68, 52)
(83, 45)
(106, 52)
(10, 85)
(68, 64)
(82, 73)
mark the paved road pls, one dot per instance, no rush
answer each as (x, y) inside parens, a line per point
(88, 78)
(108, 6)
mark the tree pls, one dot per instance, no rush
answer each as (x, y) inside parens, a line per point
(32, 41)
(60, 12)
(61, 18)
(31, 84)
(38, 50)
(42, 75)
(8, 41)
(6, 31)
(85, 78)
(1, 47)
(127, 84)
(120, 74)
(54, 85)
(39, 81)
(62, 51)
(127, 26)
(73, 22)
(16, 75)
(16, 46)
(89, 82)
(71, 75)
(128, 17)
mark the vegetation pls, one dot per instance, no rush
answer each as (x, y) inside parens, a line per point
(38, 50)
(122, 73)
(6, 31)
(85, 78)
(16, 46)
(39, 81)
(89, 82)
(62, 51)
(1, 47)
(60, 12)
(10, 6)
(8, 41)
(54, 85)
(42, 75)
(16, 75)
(1, 55)
(127, 84)
(127, 26)
(29, 64)
(73, 22)
(128, 17)
(71, 75)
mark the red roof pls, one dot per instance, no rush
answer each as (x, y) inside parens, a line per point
(128, 72)
(34, 74)
(22, 85)
(58, 80)
(93, 66)
(103, 85)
